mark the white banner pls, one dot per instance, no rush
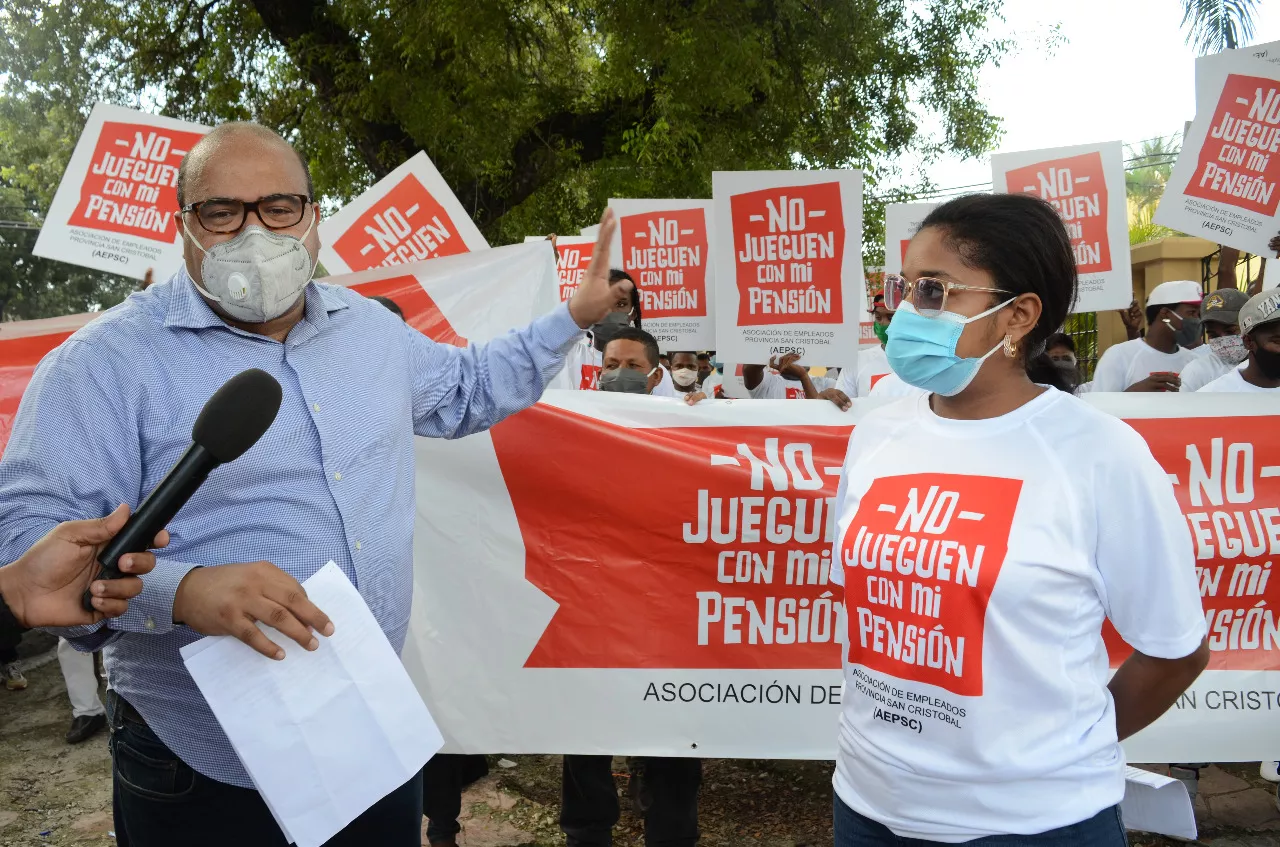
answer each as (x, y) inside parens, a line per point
(665, 246)
(410, 215)
(586, 600)
(788, 256)
(114, 209)
(901, 222)
(1226, 184)
(1086, 185)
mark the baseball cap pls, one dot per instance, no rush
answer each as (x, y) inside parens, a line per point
(1223, 306)
(1261, 309)
(1175, 292)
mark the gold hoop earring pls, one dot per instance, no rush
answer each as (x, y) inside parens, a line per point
(1010, 347)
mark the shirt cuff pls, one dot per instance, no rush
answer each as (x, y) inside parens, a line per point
(151, 612)
(558, 330)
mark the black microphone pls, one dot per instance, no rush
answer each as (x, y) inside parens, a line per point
(231, 422)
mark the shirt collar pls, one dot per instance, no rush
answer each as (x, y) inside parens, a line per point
(188, 310)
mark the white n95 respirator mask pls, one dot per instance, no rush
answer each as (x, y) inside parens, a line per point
(256, 276)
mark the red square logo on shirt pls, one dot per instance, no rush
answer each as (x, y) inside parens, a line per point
(921, 558)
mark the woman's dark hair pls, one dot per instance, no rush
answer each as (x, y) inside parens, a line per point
(1061, 339)
(617, 275)
(1020, 240)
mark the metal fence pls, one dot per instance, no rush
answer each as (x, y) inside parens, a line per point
(1248, 269)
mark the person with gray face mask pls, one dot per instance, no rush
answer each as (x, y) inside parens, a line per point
(630, 363)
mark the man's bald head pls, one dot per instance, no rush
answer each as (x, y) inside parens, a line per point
(230, 136)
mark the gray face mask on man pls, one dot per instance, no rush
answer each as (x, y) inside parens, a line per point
(1187, 332)
(256, 276)
(626, 380)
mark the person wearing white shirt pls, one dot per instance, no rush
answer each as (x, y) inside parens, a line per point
(1220, 313)
(1260, 323)
(1155, 362)
(984, 532)
(872, 364)
(684, 373)
(785, 379)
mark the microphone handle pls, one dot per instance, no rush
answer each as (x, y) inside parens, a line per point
(156, 511)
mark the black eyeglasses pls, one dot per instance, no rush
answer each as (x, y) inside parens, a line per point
(221, 215)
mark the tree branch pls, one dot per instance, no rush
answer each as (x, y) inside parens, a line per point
(322, 50)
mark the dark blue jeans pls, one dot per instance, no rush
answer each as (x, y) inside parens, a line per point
(159, 801)
(1104, 829)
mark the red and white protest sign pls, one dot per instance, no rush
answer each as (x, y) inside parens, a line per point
(1226, 183)
(665, 246)
(1205, 94)
(788, 248)
(901, 222)
(573, 257)
(410, 215)
(1086, 185)
(114, 209)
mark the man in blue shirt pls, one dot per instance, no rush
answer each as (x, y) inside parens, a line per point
(109, 412)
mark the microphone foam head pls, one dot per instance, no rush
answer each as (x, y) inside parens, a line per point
(237, 414)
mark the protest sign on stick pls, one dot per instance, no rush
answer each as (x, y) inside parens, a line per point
(901, 221)
(788, 254)
(1086, 185)
(665, 246)
(573, 256)
(1205, 94)
(1224, 185)
(114, 209)
(410, 215)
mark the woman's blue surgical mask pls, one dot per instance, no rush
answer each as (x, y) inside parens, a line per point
(922, 351)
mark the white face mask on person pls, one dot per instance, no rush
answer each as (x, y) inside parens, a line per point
(684, 377)
(256, 276)
(1229, 348)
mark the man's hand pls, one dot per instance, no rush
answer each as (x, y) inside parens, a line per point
(835, 395)
(786, 365)
(595, 296)
(1132, 318)
(231, 599)
(46, 585)
(1158, 382)
(694, 397)
(1274, 244)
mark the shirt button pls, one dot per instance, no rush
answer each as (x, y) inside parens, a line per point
(337, 477)
(315, 406)
(358, 545)
(151, 624)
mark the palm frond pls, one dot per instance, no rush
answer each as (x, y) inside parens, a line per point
(1216, 25)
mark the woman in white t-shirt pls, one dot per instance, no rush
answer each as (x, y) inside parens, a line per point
(985, 529)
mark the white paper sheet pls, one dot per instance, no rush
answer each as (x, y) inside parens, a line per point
(1154, 802)
(324, 735)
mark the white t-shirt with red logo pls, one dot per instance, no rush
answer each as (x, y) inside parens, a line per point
(979, 559)
(873, 366)
(892, 385)
(775, 386)
(1235, 383)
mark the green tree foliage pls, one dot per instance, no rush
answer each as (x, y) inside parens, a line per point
(535, 111)
(1216, 25)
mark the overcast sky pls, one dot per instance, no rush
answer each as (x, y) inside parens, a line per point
(1124, 72)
